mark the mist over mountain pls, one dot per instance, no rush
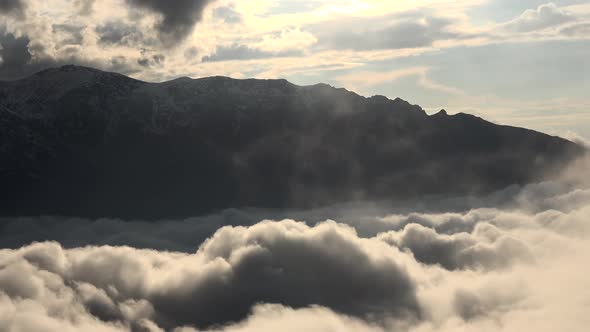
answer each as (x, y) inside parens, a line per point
(81, 142)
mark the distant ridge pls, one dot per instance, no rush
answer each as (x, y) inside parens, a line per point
(82, 142)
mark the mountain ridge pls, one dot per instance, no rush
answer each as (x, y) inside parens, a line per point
(82, 142)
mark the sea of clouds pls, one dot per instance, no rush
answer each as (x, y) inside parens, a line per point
(515, 260)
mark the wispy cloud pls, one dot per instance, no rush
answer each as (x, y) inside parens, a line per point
(363, 80)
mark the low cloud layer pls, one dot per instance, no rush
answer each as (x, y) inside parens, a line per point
(447, 216)
(287, 262)
(518, 265)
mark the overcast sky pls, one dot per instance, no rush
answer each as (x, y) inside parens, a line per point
(520, 62)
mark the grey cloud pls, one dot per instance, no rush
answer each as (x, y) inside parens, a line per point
(244, 52)
(576, 30)
(460, 250)
(12, 7)
(177, 18)
(475, 304)
(545, 16)
(118, 33)
(85, 7)
(72, 33)
(389, 32)
(443, 223)
(17, 59)
(191, 53)
(154, 60)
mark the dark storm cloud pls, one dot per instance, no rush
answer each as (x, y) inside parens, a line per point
(178, 18)
(244, 52)
(390, 32)
(12, 7)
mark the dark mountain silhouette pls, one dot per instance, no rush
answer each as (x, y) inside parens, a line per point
(82, 142)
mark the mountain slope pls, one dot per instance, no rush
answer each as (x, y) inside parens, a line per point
(78, 141)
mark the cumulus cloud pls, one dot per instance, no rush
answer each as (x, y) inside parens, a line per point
(545, 16)
(287, 263)
(21, 57)
(487, 247)
(178, 18)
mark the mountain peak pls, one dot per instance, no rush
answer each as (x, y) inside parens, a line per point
(69, 68)
(441, 113)
(72, 67)
(80, 141)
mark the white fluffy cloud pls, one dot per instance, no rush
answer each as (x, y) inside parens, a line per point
(545, 16)
(286, 262)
